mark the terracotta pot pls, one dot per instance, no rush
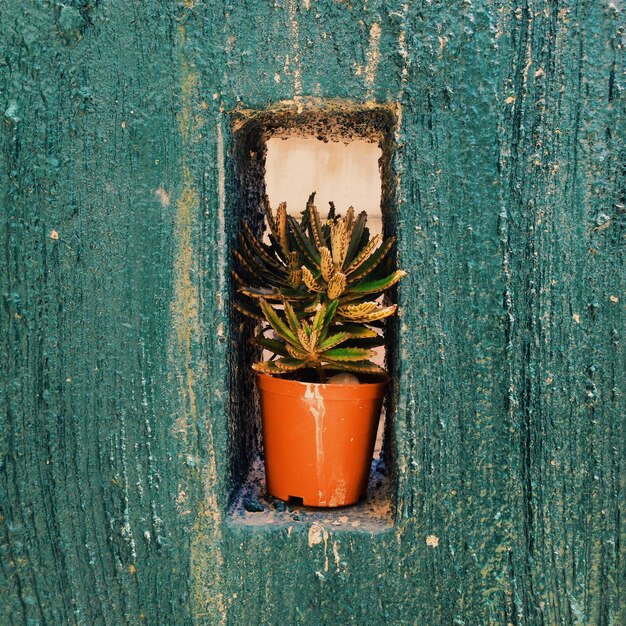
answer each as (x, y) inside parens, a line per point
(318, 439)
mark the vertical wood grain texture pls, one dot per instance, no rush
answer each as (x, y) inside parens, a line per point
(116, 153)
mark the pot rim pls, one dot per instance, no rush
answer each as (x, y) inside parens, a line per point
(362, 391)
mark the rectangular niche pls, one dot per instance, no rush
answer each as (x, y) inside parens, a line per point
(344, 153)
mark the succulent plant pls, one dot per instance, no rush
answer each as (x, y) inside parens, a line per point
(315, 284)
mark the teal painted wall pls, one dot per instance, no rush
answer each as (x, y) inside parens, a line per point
(116, 180)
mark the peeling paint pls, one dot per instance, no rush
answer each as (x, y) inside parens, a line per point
(316, 535)
(163, 196)
(295, 46)
(373, 56)
(221, 191)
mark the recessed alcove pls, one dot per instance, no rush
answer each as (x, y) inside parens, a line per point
(357, 142)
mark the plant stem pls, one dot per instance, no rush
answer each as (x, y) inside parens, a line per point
(321, 374)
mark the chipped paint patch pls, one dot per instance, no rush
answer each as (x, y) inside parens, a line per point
(163, 196)
(315, 535)
(373, 57)
(336, 556)
(404, 53)
(295, 45)
(221, 219)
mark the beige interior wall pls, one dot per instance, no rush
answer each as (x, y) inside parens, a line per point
(347, 174)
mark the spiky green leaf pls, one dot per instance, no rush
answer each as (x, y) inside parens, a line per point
(357, 331)
(264, 273)
(273, 345)
(311, 281)
(364, 253)
(260, 249)
(274, 320)
(298, 354)
(376, 286)
(304, 243)
(333, 340)
(292, 318)
(280, 365)
(358, 230)
(348, 354)
(315, 223)
(358, 367)
(260, 292)
(249, 311)
(368, 342)
(372, 263)
(365, 312)
(281, 228)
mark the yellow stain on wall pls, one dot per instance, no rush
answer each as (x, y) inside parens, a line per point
(206, 556)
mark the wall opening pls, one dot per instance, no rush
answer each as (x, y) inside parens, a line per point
(345, 154)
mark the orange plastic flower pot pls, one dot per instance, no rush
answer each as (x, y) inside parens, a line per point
(318, 439)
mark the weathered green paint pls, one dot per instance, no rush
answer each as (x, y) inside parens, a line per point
(117, 182)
